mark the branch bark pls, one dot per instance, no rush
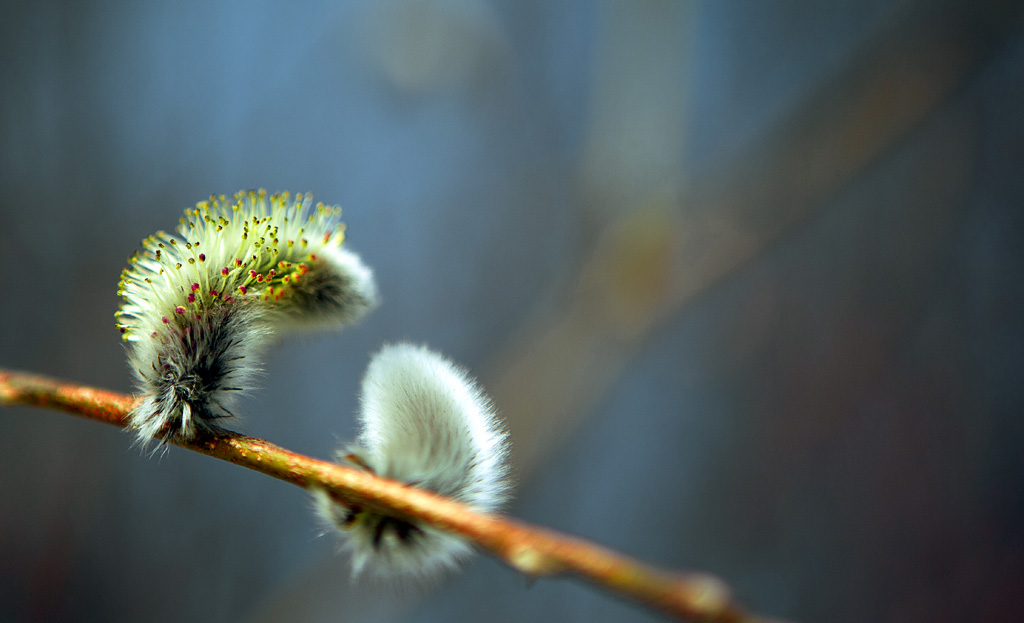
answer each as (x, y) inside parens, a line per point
(535, 551)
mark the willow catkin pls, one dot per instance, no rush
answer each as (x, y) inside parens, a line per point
(200, 306)
(426, 423)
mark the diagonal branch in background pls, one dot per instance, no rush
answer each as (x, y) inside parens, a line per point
(667, 251)
(534, 551)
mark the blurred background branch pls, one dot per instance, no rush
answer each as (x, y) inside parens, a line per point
(665, 240)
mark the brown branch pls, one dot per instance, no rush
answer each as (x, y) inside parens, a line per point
(533, 551)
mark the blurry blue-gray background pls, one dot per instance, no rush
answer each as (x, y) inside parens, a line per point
(744, 277)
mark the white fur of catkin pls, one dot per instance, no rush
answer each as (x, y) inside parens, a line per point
(426, 423)
(200, 306)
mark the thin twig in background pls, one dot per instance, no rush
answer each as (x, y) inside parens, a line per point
(534, 551)
(725, 218)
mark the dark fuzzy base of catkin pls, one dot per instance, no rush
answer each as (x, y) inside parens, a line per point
(189, 372)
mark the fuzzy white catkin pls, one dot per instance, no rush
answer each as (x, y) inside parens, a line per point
(426, 423)
(200, 306)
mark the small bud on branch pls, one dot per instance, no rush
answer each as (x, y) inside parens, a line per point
(423, 422)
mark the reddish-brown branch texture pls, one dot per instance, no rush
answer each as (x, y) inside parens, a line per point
(532, 550)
